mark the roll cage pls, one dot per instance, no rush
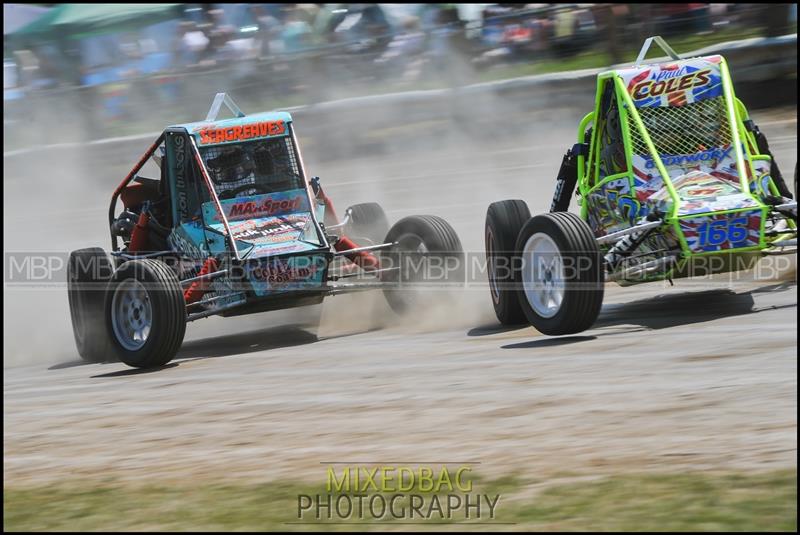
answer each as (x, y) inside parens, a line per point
(207, 183)
(597, 165)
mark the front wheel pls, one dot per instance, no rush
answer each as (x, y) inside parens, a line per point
(426, 258)
(145, 313)
(504, 220)
(561, 273)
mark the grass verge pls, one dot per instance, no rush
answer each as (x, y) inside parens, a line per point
(651, 502)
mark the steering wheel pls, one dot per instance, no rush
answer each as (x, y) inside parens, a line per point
(229, 194)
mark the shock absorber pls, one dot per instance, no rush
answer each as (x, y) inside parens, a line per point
(627, 245)
(763, 148)
(199, 287)
(139, 235)
(567, 178)
(320, 194)
(620, 250)
(363, 259)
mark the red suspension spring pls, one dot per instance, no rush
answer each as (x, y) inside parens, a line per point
(200, 287)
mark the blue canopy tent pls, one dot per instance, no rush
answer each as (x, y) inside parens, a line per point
(15, 16)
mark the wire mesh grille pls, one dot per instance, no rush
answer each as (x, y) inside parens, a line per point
(295, 169)
(266, 165)
(687, 129)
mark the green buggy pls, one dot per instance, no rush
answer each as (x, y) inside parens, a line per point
(673, 180)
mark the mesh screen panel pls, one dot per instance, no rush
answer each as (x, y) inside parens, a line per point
(267, 165)
(292, 158)
(684, 129)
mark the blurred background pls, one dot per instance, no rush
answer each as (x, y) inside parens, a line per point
(91, 71)
(433, 109)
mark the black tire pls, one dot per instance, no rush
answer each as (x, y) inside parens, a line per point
(583, 274)
(443, 246)
(504, 220)
(88, 273)
(367, 220)
(167, 313)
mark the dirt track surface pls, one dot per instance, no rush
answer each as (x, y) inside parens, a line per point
(702, 375)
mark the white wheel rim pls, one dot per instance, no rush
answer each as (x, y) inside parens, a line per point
(131, 314)
(543, 275)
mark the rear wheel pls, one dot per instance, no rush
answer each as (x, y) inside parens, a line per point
(504, 220)
(367, 221)
(561, 273)
(430, 258)
(145, 313)
(88, 273)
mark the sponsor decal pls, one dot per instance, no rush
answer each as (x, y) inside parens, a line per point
(274, 231)
(267, 207)
(272, 247)
(281, 204)
(261, 232)
(178, 241)
(242, 132)
(688, 159)
(667, 82)
(281, 272)
(180, 177)
(670, 71)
